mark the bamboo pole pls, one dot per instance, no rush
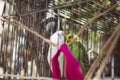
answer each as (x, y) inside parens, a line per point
(97, 15)
(98, 59)
(108, 54)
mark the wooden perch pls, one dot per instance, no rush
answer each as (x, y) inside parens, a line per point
(65, 5)
(27, 77)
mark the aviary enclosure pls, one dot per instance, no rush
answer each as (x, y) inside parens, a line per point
(91, 30)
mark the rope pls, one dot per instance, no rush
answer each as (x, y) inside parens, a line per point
(90, 21)
(93, 66)
(108, 54)
(18, 24)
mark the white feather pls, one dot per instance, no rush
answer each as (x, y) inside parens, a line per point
(57, 38)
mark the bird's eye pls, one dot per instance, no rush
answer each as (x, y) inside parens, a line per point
(58, 34)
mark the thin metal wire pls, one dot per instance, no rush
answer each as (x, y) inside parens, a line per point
(57, 7)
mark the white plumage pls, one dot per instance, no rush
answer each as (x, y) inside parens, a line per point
(57, 38)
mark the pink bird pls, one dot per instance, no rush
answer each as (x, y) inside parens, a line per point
(73, 69)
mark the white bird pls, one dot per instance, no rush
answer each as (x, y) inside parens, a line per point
(57, 38)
